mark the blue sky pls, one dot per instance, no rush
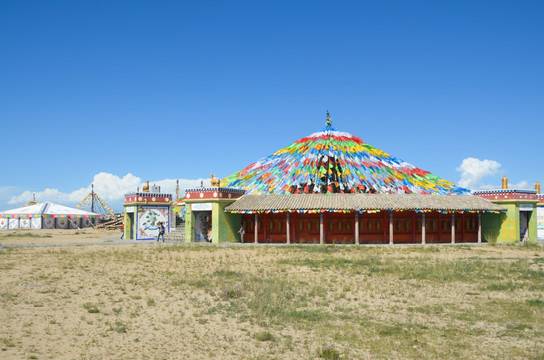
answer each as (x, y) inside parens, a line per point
(119, 92)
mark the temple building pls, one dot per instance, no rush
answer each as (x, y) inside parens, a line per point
(332, 188)
(519, 222)
(144, 211)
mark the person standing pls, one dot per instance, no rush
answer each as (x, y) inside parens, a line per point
(161, 232)
(122, 230)
(242, 232)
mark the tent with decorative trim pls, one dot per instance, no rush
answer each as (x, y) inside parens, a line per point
(46, 216)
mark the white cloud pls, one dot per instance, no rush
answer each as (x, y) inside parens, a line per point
(522, 185)
(111, 188)
(474, 170)
(169, 185)
(487, 187)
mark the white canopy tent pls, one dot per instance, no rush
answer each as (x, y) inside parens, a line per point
(46, 216)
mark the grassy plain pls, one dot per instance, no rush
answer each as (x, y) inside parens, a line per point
(150, 301)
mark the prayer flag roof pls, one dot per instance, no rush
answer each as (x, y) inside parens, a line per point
(332, 161)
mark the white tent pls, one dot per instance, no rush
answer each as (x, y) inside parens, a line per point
(46, 216)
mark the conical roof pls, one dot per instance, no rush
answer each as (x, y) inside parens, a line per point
(332, 161)
(46, 208)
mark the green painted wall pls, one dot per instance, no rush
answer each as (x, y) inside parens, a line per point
(533, 227)
(504, 228)
(491, 226)
(189, 224)
(509, 230)
(128, 226)
(224, 225)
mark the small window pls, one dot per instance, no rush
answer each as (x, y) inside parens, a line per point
(348, 226)
(331, 225)
(271, 226)
(339, 226)
(408, 225)
(309, 226)
(370, 225)
(378, 225)
(399, 225)
(300, 226)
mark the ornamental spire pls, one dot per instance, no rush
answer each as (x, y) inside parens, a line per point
(329, 121)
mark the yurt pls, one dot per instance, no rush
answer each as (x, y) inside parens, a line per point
(46, 216)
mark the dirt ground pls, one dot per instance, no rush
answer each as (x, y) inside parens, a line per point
(153, 301)
(57, 236)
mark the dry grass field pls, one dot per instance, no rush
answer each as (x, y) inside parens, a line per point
(148, 301)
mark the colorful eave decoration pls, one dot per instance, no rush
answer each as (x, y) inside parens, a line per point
(369, 211)
(331, 161)
(50, 216)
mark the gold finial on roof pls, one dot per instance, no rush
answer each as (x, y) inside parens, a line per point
(537, 187)
(504, 183)
(329, 121)
(214, 182)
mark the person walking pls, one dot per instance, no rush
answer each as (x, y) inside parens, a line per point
(161, 232)
(122, 231)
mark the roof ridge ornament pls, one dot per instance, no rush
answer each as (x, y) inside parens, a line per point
(329, 121)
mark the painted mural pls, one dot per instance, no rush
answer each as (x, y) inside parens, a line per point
(24, 223)
(203, 226)
(148, 219)
(62, 223)
(48, 223)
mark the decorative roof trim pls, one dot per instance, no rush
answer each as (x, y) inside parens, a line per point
(200, 189)
(149, 194)
(524, 191)
(361, 202)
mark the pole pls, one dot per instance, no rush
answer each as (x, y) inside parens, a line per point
(288, 228)
(321, 229)
(423, 229)
(356, 227)
(453, 228)
(256, 227)
(479, 229)
(391, 227)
